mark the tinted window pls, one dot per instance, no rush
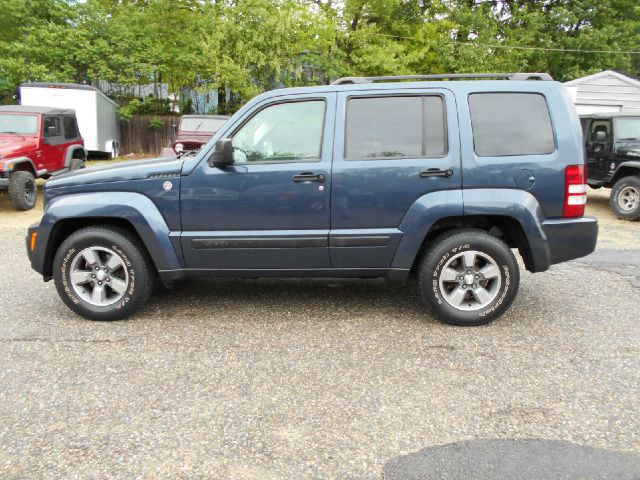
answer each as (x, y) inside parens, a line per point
(70, 128)
(434, 131)
(286, 131)
(51, 126)
(395, 127)
(510, 124)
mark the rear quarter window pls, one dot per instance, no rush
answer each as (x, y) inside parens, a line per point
(507, 124)
(70, 128)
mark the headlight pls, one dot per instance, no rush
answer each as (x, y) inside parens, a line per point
(178, 147)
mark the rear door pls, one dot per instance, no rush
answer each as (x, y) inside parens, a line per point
(391, 148)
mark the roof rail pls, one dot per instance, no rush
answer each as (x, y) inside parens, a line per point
(450, 76)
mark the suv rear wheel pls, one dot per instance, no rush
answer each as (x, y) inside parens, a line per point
(101, 274)
(22, 190)
(625, 198)
(468, 277)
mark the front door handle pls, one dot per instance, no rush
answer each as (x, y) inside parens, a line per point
(436, 172)
(309, 177)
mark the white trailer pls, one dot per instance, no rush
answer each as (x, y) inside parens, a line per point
(97, 114)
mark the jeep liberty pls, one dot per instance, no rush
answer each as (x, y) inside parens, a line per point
(366, 177)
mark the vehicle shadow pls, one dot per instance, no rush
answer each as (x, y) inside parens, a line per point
(7, 210)
(513, 459)
(286, 296)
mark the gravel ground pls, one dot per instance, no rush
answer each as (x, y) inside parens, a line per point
(311, 378)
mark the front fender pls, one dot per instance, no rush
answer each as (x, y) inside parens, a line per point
(623, 170)
(17, 161)
(134, 208)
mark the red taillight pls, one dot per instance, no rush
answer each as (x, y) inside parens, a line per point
(575, 194)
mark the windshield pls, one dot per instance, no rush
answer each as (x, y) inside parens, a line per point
(201, 124)
(18, 124)
(627, 128)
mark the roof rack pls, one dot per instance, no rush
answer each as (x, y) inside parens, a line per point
(450, 76)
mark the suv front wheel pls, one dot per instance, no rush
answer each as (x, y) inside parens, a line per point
(625, 198)
(468, 277)
(22, 190)
(102, 274)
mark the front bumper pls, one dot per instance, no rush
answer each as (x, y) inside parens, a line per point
(36, 255)
(4, 180)
(570, 238)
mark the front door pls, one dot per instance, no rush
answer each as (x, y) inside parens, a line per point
(270, 210)
(391, 148)
(598, 148)
(52, 145)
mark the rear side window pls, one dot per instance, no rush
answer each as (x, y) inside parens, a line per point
(394, 127)
(507, 124)
(70, 128)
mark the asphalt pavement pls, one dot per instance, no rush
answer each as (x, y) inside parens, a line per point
(296, 379)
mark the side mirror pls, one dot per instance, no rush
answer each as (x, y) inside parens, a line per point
(222, 154)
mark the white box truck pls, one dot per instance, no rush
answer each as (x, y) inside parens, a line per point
(97, 114)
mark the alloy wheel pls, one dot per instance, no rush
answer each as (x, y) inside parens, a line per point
(470, 280)
(99, 276)
(629, 198)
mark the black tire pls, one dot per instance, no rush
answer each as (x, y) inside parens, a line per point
(447, 251)
(622, 208)
(76, 164)
(115, 151)
(135, 260)
(23, 192)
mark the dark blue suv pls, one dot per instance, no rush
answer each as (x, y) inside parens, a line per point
(367, 177)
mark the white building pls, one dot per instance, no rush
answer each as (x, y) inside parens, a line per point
(605, 92)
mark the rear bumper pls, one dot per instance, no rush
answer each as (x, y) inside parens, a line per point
(570, 238)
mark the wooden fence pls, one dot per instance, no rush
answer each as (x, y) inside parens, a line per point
(147, 133)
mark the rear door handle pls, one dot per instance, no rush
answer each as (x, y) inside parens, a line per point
(436, 172)
(309, 177)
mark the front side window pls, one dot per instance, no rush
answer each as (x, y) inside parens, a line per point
(506, 124)
(395, 127)
(282, 132)
(51, 126)
(18, 124)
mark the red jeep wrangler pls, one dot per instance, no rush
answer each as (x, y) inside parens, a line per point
(193, 132)
(36, 142)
